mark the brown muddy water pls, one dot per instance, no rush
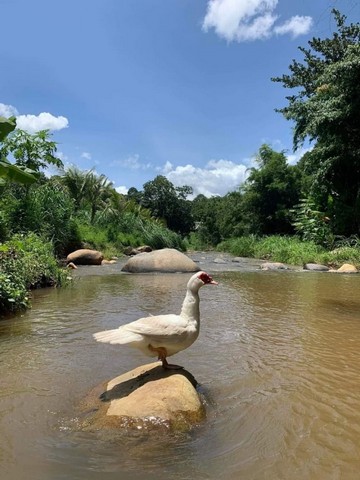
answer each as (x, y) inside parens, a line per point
(278, 360)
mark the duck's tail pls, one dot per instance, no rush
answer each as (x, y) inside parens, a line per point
(117, 336)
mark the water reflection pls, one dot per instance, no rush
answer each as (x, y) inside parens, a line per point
(278, 357)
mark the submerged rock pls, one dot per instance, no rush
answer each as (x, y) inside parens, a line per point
(147, 397)
(274, 266)
(165, 260)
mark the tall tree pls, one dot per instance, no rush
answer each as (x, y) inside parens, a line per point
(168, 202)
(326, 110)
(269, 193)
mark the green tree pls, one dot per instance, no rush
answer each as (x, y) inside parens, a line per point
(325, 109)
(168, 202)
(8, 171)
(33, 151)
(269, 193)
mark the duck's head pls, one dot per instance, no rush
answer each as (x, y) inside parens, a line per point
(205, 278)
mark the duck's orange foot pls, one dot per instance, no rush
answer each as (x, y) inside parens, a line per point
(162, 354)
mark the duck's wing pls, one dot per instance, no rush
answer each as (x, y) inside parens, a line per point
(160, 328)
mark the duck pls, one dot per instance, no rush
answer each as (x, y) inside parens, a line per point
(162, 336)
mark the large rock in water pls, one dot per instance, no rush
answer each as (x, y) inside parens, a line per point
(165, 260)
(85, 256)
(147, 397)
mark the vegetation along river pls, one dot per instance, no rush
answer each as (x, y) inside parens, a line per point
(278, 360)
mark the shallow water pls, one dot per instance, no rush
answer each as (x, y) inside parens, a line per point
(278, 359)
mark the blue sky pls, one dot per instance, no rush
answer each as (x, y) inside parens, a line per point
(138, 88)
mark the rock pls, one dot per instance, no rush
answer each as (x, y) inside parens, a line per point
(237, 259)
(71, 265)
(145, 397)
(85, 256)
(165, 260)
(316, 267)
(273, 266)
(219, 260)
(108, 262)
(347, 268)
(130, 251)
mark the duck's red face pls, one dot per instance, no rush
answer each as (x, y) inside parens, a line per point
(206, 278)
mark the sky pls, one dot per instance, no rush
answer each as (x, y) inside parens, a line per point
(140, 88)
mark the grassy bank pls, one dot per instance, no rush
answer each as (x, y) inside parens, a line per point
(291, 250)
(26, 262)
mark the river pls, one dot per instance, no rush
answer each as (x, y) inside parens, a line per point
(278, 360)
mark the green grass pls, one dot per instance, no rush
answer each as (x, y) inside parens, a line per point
(276, 248)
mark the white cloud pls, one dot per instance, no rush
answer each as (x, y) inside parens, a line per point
(132, 162)
(62, 156)
(34, 123)
(295, 157)
(247, 20)
(295, 26)
(8, 111)
(217, 178)
(86, 155)
(43, 121)
(122, 189)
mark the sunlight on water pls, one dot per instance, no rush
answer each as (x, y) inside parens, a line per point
(278, 360)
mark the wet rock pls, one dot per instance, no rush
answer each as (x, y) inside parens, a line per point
(274, 266)
(147, 397)
(165, 260)
(316, 267)
(71, 265)
(347, 268)
(130, 251)
(219, 260)
(85, 256)
(108, 262)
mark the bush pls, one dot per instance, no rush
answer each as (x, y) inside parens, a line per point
(26, 262)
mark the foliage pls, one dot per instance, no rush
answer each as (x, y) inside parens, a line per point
(88, 190)
(8, 171)
(326, 110)
(311, 224)
(269, 193)
(291, 250)
(33, 151)
(26, 262)
(46, 209)
(168, 202)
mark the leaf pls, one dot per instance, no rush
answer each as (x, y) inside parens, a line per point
(7, 125)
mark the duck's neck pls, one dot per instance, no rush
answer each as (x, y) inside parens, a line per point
(190, 307)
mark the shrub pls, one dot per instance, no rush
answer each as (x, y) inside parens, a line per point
(26, 262)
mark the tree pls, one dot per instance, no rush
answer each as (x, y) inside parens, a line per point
(326, 110)
(168, 202)
(8, 171)
(269, 193)
(33, 151)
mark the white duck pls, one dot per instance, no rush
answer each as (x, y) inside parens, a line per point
(163, 335)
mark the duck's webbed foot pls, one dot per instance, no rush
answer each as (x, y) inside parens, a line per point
(162, 354)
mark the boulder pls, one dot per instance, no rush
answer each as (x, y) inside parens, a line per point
(165, 260)
(273, 266)
(347, 268)
(85, 256)
(108, 262)
(147, 397)
(316, 267)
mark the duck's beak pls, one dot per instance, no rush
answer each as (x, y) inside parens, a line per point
(213, 282)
